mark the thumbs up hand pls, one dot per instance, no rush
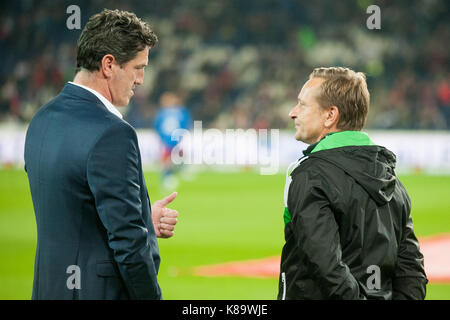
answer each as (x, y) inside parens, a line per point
(164, 219)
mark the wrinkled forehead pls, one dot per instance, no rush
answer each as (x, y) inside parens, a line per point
(311, 88)
(142, 56)
(141, 59)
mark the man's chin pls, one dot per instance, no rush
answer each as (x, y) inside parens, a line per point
(301, 139)
(121, 104)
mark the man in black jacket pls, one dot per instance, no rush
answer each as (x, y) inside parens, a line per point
(348, 229)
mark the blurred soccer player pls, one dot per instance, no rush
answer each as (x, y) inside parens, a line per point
(173, 115)
(95, 227)
(348, 228)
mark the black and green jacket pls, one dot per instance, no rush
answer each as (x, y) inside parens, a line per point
(348, 229)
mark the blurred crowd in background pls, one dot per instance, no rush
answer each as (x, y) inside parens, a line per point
(241, 64)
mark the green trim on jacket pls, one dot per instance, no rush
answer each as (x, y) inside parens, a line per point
(343, 139)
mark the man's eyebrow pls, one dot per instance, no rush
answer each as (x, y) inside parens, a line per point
(143, 65)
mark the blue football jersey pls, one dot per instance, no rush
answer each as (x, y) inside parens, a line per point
(169, 119)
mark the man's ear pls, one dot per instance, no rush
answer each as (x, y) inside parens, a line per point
(108, 61)
(332, 117)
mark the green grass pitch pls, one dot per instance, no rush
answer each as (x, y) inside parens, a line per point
(223, 217)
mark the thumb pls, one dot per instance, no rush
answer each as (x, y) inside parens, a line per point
(165, 201)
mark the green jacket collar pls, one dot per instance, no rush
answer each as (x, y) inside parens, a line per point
(340, 139)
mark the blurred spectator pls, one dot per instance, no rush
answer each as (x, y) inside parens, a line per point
(172, 116)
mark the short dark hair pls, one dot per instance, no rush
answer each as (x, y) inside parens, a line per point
(115, 32)
(347, 90)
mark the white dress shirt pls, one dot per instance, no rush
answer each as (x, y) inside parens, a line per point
(105, 101)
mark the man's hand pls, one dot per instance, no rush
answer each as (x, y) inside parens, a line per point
(164, 219)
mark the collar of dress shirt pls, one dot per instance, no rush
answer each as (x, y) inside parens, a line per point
(105, 101)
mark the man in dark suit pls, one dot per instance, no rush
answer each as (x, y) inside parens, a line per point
(95, 226)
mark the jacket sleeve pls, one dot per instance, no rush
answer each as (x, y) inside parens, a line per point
(113, 173)
(410, 279)
(318, 240)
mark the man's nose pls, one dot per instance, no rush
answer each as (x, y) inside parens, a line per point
(139, 80)
(293, 113)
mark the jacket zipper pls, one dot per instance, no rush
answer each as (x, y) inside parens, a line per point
(289, 170)
(283, 281)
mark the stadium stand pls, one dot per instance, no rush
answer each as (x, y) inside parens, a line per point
(239, 64)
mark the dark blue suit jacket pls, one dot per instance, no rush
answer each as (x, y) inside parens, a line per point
(95, 236)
